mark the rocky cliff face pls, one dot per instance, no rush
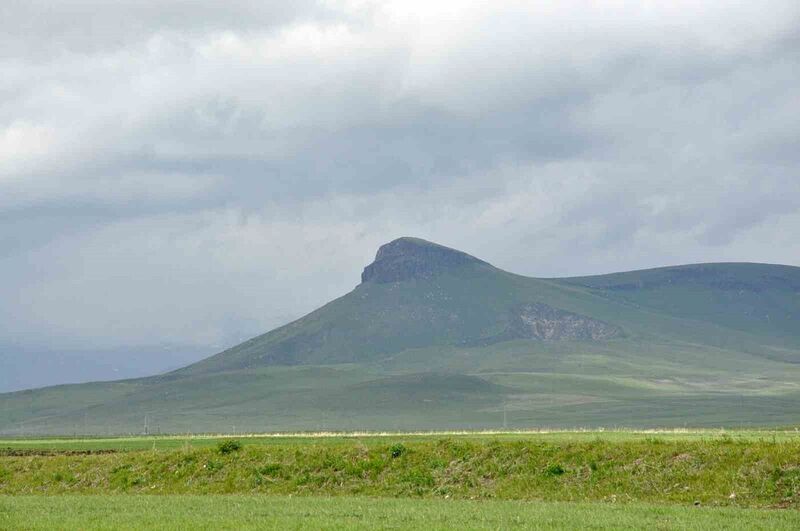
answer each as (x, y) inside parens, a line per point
(540, 321)
(412, 258)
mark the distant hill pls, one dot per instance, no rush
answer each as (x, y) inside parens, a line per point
(436, 338)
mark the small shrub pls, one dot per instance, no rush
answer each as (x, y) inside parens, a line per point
(122, 478)
(67, 478)
(212, 466)
(554, 470)
(419, 479)
(228, 446)
(398, 450)
(272, 469)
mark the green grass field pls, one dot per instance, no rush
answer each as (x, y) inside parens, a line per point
(283, 512)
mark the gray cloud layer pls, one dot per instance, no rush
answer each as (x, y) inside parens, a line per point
(190, 174)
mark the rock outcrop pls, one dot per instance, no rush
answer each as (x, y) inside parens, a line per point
(412, 258)
(540, 321)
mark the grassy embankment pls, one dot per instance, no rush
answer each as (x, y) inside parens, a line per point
(721, 471)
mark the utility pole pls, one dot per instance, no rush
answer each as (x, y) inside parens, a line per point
(145, 424)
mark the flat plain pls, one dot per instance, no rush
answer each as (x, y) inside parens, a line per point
(284, 512)
(172, 441)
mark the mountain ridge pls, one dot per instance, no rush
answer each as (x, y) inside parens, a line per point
(670, 348)
(426, 267)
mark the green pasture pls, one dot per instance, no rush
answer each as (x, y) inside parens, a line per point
(283, 512)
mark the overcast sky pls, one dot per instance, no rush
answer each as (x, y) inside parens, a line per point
(196, 172)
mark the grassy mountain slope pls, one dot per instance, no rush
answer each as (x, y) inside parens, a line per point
(435, 338)
(758, 298)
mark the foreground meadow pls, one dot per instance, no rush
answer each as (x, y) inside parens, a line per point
(284, 512)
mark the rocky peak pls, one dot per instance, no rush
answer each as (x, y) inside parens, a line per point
(412, 258)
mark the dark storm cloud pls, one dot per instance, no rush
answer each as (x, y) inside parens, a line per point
(423, 145)
(195, 172)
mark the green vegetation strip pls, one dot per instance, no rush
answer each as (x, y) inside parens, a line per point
(281, 512)
(165, 442)
(722, 472)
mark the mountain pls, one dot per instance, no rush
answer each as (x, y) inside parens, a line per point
(436, 338)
